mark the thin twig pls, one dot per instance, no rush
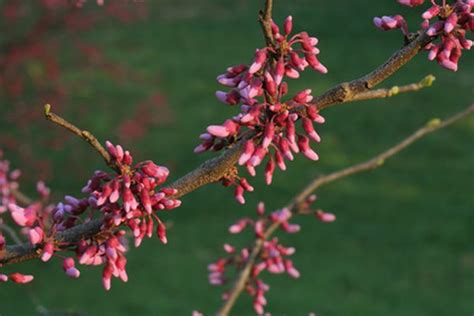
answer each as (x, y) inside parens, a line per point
(395, 90)
(265, 19)
(296, 203)
(348, 91)
(85, 135)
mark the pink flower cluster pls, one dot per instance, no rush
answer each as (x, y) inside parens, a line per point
(267, 118)
(454, 20)
(131, 198)
(8, 186)
(272, 258)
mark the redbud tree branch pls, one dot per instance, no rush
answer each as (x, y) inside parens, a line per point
(348, 91)
(296, 203)
(214, 169)
(395, 90)
(265, 19)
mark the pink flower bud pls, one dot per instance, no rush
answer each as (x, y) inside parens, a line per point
(35, 235)
(129, 201)
(303, 145)
(239, 194)
(70, 269)
(246, 185)
(226, 81)
(411, 3)
(290, 228)
(21, 278)
(23, 216)
(127, 158)
(325, 217)
(217, 131)
(231, 98)
(258, 156)
(288, 25)
(104, 195)
(48, 251)
(290, 269)
(111, 149)
(260, 229)
(434, 29)
(431, 12)
(250, 169)
(279, 160)
(153, 170)
(260, 209)
(297, 62)
(270, 84)
(260, 57)
(145, 199)
(268, 134)
(3, 277)
(450, 23)
(88, 254)
(236, 70)
(434, 52)
(291, 73)
(315, 64)
(313, 114)
(285, 149)
(281, 215)
(239, 226)
(309, 129)
(279, 71)
(275, 28)
(161, 232)
(107, 277)
(303, 97)
(228, 248)
(269, 169)
(247, 153)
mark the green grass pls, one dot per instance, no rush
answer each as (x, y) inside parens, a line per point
(403, 241)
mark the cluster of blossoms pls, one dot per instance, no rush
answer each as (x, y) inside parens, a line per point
(454, 20)
(267, 119)
(8, 189)
(272, 258)
(130, 199)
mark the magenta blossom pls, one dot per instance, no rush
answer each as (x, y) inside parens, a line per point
(448, 23)
(260, 89)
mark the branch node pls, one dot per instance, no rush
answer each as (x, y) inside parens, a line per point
(393, 91)
(433, 123)
(47, 110)
(427, 81)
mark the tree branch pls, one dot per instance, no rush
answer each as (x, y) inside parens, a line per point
(395, 90)
(348, 91)
(265, 19)
(214, 169)
(295, 204)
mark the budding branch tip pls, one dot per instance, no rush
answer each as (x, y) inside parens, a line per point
(394, 91)
(428, 81)
(434, 122)
(47, 109)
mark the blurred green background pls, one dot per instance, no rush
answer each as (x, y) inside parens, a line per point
(403, 240)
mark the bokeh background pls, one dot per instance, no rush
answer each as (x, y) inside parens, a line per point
(143, 74)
